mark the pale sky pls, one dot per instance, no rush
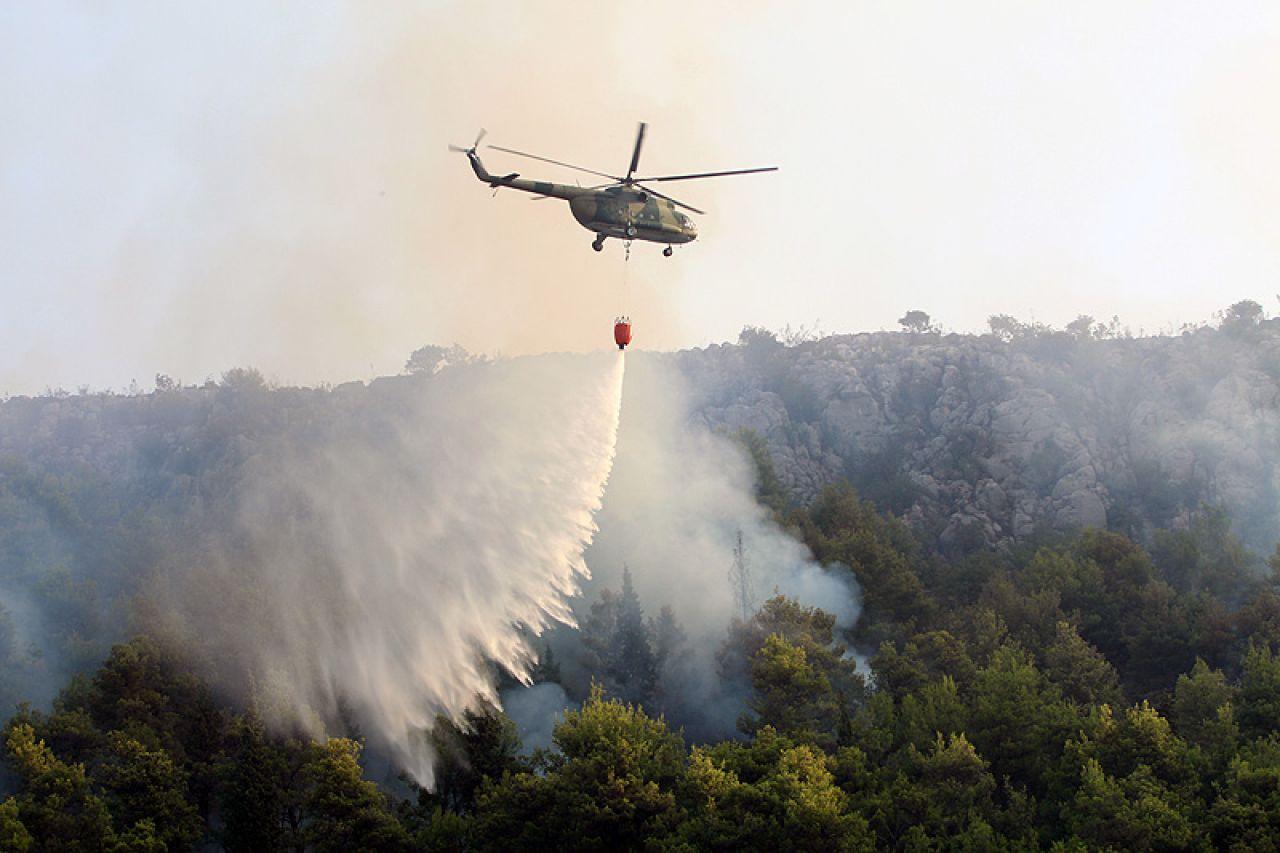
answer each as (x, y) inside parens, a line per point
(186, 188)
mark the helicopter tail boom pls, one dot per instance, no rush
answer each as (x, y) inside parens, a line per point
(515, 182)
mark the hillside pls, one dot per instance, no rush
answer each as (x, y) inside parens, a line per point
(978, 440)
(956, 662)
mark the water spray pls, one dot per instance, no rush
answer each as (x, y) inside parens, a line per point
(403, 553)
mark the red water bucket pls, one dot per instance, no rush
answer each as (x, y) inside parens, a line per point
(622, 332)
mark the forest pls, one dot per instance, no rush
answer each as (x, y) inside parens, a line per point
(1081, 692)
(1073, 687)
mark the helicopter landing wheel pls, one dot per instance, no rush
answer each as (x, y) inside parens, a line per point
(598, 245)
(666, 253)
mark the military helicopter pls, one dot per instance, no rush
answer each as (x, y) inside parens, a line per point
(624, 209)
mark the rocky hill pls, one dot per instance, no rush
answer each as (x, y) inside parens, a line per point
(973, 439)
(982, 439)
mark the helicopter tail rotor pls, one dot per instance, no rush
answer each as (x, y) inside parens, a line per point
(459, 149)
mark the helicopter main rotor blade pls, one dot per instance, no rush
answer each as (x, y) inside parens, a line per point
(635, 155)
(554, 162)
(709, 174)
(689, 207)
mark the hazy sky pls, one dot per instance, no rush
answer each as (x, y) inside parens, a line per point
(190, 187)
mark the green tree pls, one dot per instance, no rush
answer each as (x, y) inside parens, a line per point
(768, 487)
(1077, 580)
(1259, 712)
(1202, 710)
(1134, 813)
(1125, 566)
(1018, 719)
(669, 639)
(930, 711)
(1242, 318)
(1246, 812)
(925, 658)
(792, 695)
(143, 692)
(1161, 635)
(1079, 669)
(346, 811)
(144, 786)
(70, 734)
(619, 651)
(1081, 328)
(546, 668)
(940, 795)
(1006, 327)
(253, 795)
(14, 837)
(840, 528)
(1139, 738)
(1029, 614)
(1205, 556)
(1259, 618)
(55, 803)
(769, 794)
(485, 746)
(611, 786)
(431, 359)
(784, 652)
(634, 668)
(917, 322)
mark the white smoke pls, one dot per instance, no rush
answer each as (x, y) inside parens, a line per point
(389, 566)
(536, 710)
(678, 497)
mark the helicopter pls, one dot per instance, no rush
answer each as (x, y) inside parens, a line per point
(624, 209)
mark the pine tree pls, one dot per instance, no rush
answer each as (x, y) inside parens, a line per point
(668, 638)
(546, 668)
(597, 633)
(483, 746)
(147, 794)
(619, 649)
(13, 834)
(56, 805)
(633, 668)
(348, 812)
(253, 799)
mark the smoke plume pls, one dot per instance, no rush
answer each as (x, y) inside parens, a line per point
(678, 497)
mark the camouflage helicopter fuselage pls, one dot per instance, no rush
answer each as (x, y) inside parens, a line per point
(623, 212)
